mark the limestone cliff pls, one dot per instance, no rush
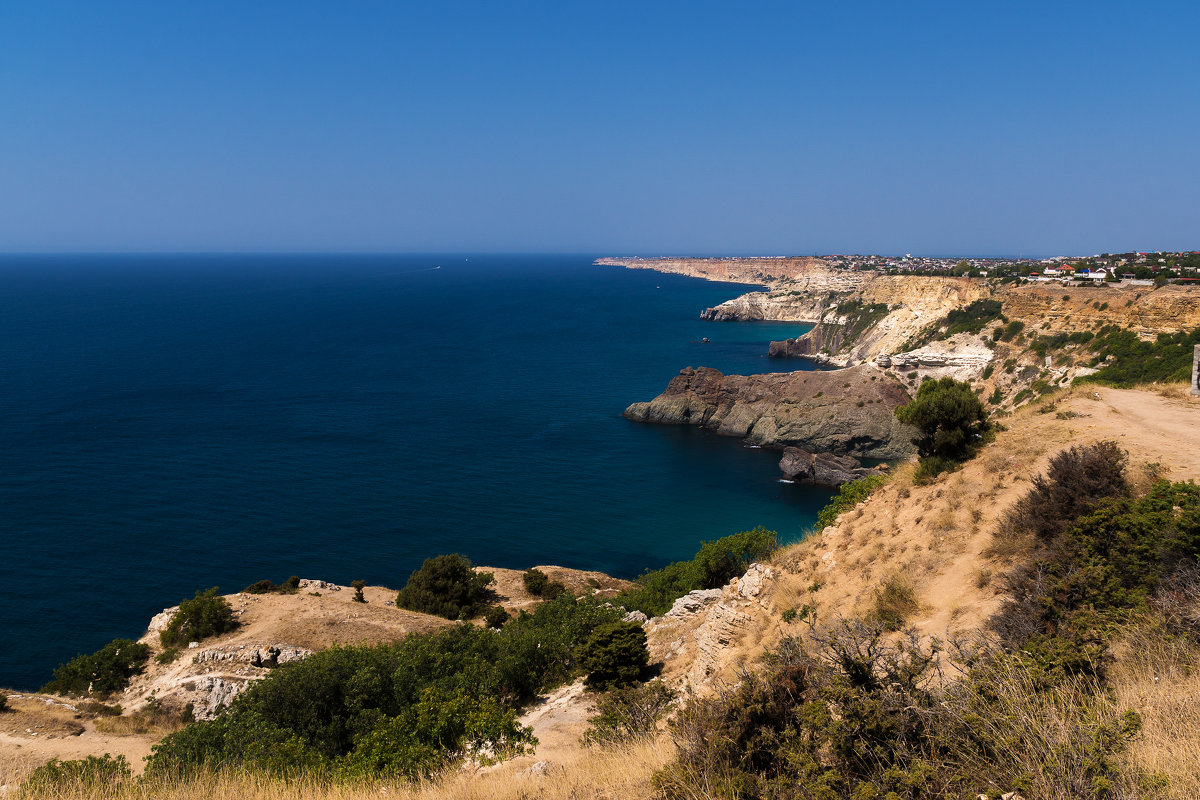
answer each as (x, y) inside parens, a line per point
(806, 297)
(1146, 311)
(846, 411)
(729, 270)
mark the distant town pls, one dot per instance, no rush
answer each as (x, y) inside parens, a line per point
(1135, 268)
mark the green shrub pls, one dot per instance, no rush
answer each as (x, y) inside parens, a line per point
(448, 587)
(206, 614)
(167, 655)
(1075, 482)
(3, 702)
(614, 655)
(850, 713)
(406, 708)
(93, 772)
(496, 617)
(713, 566)
(1126, 360)
(629, 713)
(358, 587)
(265, 586)
(535, 581)
(849, 495)
(951, 419)
(538, 584)
(931, 467)
(101, 673)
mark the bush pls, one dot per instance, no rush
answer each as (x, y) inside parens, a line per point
(496, 617)
(629, 713)
(406, 708)
(168, 655)
(3, 702)
(713, 566)
(206, 614)
(951, 419)
(1129, 361)
(358, 587)
(535, 581)
(93, 772)
(1075, 482)
(290, 586)
(448, 587)
(102, 673)
(931, 467)
(854, 714)
(614, 655)
(1111, 560)
(538, 584)
(849, 495)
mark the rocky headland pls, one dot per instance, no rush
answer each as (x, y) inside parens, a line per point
(846, 412)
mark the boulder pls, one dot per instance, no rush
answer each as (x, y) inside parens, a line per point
(822, 469)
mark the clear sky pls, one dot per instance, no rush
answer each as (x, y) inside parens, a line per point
(607, 127)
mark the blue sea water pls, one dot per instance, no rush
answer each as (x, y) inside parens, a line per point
(170, 423)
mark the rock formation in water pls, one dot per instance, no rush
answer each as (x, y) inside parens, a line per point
(847, 411)
(823, 469)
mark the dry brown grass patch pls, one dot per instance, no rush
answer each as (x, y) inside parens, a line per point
(621, 773)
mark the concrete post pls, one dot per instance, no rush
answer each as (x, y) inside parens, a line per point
(1196, 371)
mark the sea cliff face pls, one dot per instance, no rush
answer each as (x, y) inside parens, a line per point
(729, 270)
(807, 297)
(846, 411)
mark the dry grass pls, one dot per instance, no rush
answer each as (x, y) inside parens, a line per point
(621, 773)
(1160, 678)
(152, 719)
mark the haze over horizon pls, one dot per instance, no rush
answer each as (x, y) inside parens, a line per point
(617, 128)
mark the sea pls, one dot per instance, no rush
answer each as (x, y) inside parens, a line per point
(170, 423)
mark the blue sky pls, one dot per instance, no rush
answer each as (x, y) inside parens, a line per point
(606, 127)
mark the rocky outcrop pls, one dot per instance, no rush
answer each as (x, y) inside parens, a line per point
(702, 631)
(823, 469)
(845, 411)
(772, 307)
(805, 298)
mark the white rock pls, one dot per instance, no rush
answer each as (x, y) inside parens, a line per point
(693, 603)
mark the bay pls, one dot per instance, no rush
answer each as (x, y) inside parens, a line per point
(170, 423)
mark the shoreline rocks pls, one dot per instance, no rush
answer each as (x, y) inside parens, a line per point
(822, 469)
(847, 411)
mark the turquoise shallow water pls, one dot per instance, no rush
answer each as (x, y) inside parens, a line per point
(173, 423)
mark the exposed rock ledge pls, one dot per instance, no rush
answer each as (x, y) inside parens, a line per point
(847, 411)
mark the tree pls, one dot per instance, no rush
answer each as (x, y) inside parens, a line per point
(358, 587)
(448, 587)
(951, 419)
(614, 655)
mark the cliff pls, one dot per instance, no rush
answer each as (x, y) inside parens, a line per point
(845, 411)
(729, 270)
(1146, 311)
(807, 297)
